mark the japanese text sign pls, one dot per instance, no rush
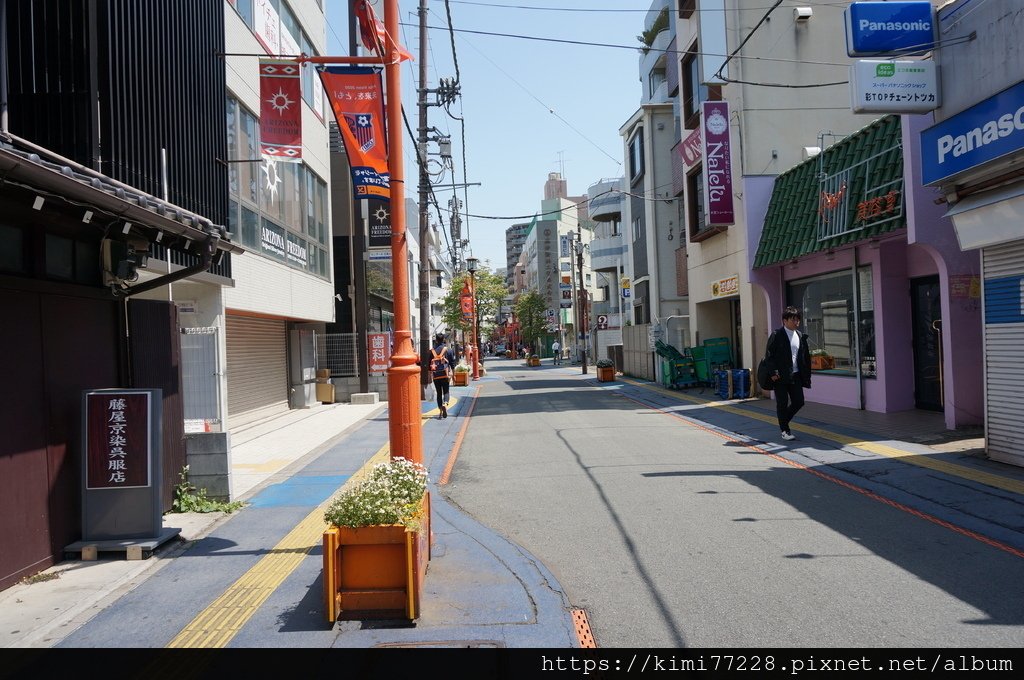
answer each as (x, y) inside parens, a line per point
(357, 99)
(117, 439)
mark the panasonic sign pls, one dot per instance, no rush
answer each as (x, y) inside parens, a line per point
(988, 130)
(886, 28)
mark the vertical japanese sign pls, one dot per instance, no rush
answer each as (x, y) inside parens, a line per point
(717, 164)
(356, 96)
(280, 110)
(378, 347)
(118, 435)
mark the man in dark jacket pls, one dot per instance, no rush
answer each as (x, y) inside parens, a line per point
(442, 363)
(789, 359)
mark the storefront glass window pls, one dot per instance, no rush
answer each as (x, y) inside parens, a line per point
(829, 319)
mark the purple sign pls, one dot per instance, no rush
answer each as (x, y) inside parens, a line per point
(717, 164)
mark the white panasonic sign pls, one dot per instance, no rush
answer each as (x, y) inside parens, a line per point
(990, 131)
(868, 25)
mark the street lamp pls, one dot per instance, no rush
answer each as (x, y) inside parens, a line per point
(471, 265)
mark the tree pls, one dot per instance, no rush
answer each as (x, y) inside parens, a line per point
(531, 313)
(490, 292)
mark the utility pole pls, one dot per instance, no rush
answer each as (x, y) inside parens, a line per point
(421, 157)
(581, 299)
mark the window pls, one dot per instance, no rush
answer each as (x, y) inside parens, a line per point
(636, 154)
(826, 304)
(693, 92)
(695, 200)
(655, 79)
(12, 249)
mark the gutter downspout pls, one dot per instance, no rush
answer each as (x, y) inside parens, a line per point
(205, 259)
(3, 71)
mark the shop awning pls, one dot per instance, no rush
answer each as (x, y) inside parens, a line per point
(832, 188)
(989, 218)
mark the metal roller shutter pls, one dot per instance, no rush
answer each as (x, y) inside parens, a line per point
(257, 369)
(1004, 360)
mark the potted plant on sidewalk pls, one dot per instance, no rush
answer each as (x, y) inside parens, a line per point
(377, 544)
(460, 376)
(534, 360)
(605, 370)
(821, 360)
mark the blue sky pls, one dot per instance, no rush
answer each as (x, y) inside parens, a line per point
(529, 107)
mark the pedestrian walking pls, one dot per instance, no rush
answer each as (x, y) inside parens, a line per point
(442, 363)
(556, 350)
(789, 361)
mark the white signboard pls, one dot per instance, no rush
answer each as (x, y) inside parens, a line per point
(894, 86)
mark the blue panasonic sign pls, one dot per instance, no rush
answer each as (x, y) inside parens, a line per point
(988, 130)
(878, 28)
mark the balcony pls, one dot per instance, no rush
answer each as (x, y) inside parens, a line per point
(607, 254)
(604, 206)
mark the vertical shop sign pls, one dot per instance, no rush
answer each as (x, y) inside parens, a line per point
(378, 351)
(118, 440)
(717, 164)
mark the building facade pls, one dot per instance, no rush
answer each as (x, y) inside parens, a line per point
(972, 154)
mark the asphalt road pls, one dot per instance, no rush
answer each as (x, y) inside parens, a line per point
(671, 533)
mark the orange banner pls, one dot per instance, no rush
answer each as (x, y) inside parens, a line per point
(356, 96)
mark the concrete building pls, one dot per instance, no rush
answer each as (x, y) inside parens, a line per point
(784, 82)
(651, 217)
(609, 258)
(973, 154)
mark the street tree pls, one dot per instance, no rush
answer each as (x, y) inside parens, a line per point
(531, 310)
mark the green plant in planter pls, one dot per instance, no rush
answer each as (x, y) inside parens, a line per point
(604, 363)
(819, 353)
(392, 493)
(462, 368)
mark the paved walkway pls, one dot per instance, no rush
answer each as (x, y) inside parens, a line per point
(49, 608)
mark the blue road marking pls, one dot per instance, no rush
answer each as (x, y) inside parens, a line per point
(299, 491)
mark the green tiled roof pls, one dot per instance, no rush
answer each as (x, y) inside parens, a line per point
(791, 223)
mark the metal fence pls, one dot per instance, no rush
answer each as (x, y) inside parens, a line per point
(337, 352)
(200, 375)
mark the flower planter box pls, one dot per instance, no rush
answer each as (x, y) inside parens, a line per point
(533, 362)
(822, 363)
(606, 374)
(460, 378)
(375, 572)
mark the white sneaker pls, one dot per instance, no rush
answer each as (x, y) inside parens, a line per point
(788, 436)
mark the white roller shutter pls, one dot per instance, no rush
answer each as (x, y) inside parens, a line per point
(257, 369)
(1004, 363)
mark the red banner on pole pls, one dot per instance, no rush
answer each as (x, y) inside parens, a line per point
(356, 96)
(280, 110)
(373, 35)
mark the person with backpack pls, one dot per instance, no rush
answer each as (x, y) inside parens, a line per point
(442, 362)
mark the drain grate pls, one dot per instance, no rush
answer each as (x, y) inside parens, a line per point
(445, 644)
(583, 632)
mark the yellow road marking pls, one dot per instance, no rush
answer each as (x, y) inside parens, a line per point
(216, 625)
(918, 459)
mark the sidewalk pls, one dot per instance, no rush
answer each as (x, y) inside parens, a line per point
(481, 589)
(39, 612)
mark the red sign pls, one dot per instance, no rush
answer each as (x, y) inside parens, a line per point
(717, 164)
(357, 99)
(280, 110)
(690, 148)
(378, 347)
(117, 439)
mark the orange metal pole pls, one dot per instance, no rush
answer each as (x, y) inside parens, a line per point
(403, 376)
(476, 338)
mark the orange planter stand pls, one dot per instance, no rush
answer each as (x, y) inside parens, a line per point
(375, 572)
(460, 378)
(606, 374)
